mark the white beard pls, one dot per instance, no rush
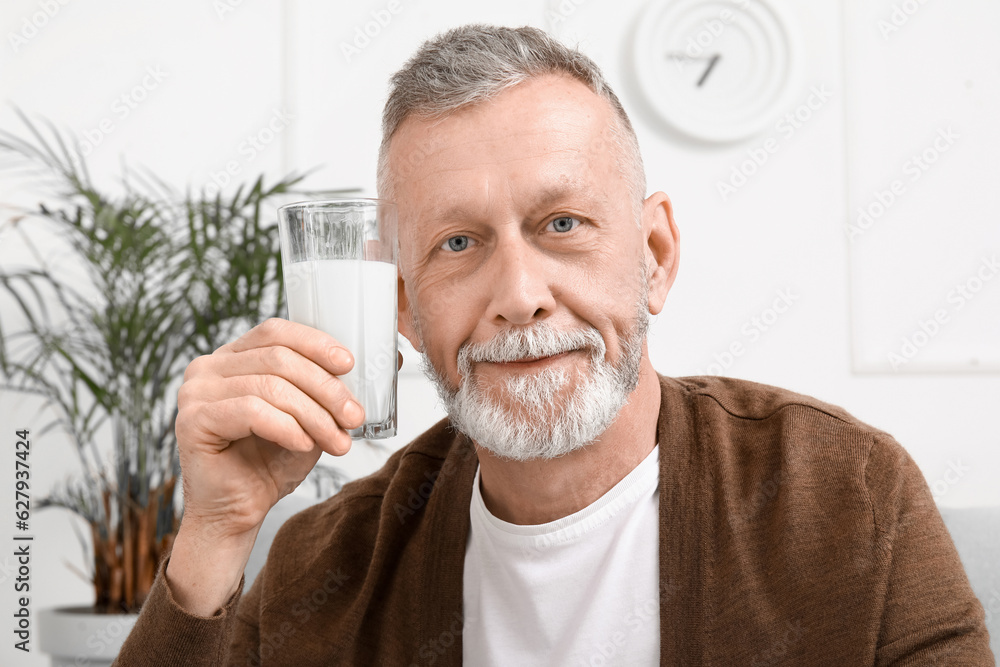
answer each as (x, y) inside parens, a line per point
(530, 422)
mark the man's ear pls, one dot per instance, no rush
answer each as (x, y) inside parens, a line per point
(405, 321)
(661, 247)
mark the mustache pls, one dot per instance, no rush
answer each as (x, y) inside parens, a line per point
(539, 340)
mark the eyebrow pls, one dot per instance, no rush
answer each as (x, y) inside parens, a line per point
(573, 190)
(547, 196)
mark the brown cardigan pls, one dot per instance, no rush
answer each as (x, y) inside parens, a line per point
(790, 533)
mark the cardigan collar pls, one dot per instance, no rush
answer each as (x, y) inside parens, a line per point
(683, 540)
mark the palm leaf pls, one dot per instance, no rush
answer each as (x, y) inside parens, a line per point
(166, 277)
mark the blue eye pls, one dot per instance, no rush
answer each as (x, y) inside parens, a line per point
(457, 243)
(564, 224)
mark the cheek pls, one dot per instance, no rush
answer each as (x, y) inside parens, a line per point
(611, 305)
(447, 319)
(436, 306)
(601, 285)
(448, 303)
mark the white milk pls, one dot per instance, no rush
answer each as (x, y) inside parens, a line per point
(354, 301)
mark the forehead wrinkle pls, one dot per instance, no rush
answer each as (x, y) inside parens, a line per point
(543, 136)
(494, 160)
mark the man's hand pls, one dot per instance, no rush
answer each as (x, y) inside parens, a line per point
(253, 419)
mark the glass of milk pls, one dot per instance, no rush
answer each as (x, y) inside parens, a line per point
(339, 262)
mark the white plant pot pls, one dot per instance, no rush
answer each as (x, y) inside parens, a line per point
(80, 636)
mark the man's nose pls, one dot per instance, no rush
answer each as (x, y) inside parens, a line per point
(519, 284)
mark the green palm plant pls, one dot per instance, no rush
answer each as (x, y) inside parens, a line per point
(153, 278)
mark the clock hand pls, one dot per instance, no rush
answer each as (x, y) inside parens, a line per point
(711, 64)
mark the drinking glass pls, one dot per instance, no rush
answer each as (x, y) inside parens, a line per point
(339, 262)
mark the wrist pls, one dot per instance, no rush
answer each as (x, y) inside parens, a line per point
(206, 567)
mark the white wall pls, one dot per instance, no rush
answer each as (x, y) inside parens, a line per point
(226, 71)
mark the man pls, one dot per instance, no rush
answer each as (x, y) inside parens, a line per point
(576, 508)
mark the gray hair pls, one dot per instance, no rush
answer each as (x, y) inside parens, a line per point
(475, 63)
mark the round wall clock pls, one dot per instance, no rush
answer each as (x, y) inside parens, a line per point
(716, 70)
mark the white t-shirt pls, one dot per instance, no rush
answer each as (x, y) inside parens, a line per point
(581, 590)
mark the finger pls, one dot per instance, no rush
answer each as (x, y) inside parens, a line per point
(321, 424)
(317, 383)
(399, 363)
(223, 422)
(319, 346)
(273, 360)
(247, 415)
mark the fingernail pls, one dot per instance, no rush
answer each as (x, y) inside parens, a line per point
(341, 357)
(354, 412)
